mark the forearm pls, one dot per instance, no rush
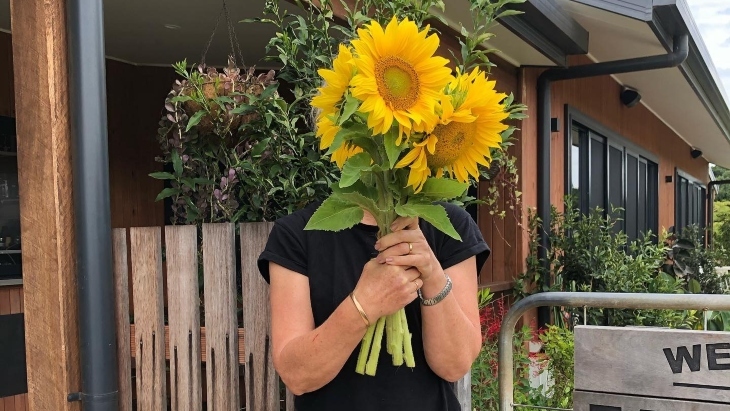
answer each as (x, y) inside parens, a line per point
(451, 341)
(308, 362)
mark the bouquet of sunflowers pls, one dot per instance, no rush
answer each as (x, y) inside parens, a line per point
(406, 133)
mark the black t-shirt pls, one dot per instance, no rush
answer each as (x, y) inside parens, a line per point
(333, 262)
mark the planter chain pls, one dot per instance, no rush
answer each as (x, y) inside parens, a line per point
(232, 38)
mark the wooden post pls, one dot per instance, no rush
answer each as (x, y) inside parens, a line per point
(46, 206)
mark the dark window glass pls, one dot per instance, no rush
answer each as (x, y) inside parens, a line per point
(597, 161)
(604, 172)
(690, 203)
(632, 196)
(615, 186)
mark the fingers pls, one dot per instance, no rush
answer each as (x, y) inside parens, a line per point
(404, 223)
(402, 236)
(396, 250)
(411, 260)
(411, 274)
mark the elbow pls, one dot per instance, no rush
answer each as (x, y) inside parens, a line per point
(455, 373)
(296, 386)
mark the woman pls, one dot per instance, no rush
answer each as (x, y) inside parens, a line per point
(317, 277)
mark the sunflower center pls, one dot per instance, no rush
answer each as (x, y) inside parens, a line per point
(397, 82)
(453, 140)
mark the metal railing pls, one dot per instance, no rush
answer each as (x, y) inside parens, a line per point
(703, 302)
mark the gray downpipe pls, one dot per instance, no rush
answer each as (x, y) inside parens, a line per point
(544, 82)
(87, 78)
(605, 300)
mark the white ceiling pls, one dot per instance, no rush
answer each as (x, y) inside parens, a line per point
(135, 31)
(665, 92)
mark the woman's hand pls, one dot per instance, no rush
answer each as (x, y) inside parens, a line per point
(406, 246)
(385, 289)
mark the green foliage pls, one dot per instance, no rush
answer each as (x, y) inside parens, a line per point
(722, 174)
(721, 235)
(307, 40)
(238, 151)
(588, 253)
(697, 264)
(559, 347)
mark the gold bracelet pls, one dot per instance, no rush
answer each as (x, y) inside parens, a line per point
(359, 309)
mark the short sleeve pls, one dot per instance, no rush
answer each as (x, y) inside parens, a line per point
(285, 247)
(451, 251)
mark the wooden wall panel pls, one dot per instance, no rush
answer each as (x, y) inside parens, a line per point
(135, 97)
(598, 98)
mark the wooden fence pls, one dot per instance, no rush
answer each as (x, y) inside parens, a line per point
(166, 355)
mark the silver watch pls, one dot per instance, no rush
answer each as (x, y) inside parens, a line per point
(440, 296)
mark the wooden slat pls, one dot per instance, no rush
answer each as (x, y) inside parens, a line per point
(219, 276)
(183, 317)
(149, 341)
(289, 400)
(203, 344)
(5, 300)
(2, 405)
(121, 286)
(21, 402)
(261, 380)
(463, 392)
(16, 303)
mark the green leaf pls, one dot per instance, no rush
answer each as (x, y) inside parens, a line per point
(177, 163)
(180, 99)
(694, 286)
(443, 188)
(355, 197)
(242, 109)
(433, 213)
(260, 147)
(346, 134)
(353, 167)
(168, 192)
(392, 150)
(194, 120)
(350, 107)
(334, 215)
(162, 175)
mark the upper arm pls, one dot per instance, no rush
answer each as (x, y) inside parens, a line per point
(464, 278)
(291, 307)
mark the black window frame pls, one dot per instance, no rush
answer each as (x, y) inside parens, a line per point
(590, 129)
(699, 190)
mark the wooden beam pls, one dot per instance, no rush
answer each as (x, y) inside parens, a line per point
(46, 202)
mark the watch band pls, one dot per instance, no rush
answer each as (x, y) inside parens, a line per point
(440, 296)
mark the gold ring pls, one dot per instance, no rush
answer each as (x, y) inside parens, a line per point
(410, 248)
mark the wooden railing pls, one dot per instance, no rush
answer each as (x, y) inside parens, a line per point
(179, 343)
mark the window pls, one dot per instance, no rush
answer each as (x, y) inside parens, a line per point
(690, 202)
(609, 172)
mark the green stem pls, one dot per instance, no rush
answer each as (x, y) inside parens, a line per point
(398, 338)
(365, 349)
(410, 361)
(372, 364)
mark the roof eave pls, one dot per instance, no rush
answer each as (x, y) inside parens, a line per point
(546, 26)
(673, 16)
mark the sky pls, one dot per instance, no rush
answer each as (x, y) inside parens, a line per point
(713, 20)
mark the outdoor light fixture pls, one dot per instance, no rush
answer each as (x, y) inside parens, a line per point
(668, 179)
(630, 97)
(554, 125)
(695, 153)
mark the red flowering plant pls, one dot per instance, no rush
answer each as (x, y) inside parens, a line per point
(485, 390)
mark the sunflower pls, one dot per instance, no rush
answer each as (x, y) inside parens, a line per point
(336, 82)
(398, 77)
(327, 130)
(471, 124)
